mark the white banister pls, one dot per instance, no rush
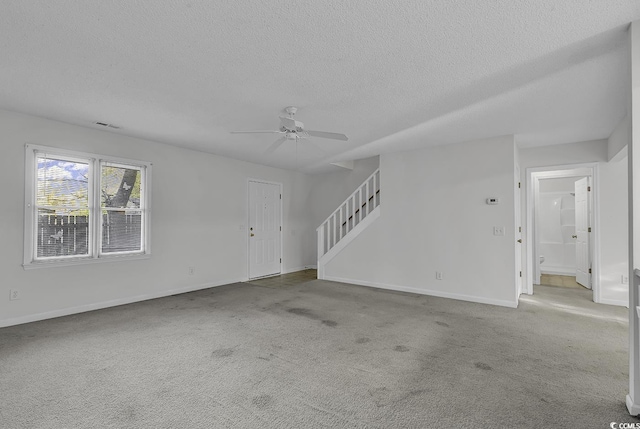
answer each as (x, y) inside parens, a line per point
(347, 216)
(375, 177)
(366, 209)
(376, 196)
(321, 240)
(354, 209)
(350, 212)
(359, 204)
(332, 229)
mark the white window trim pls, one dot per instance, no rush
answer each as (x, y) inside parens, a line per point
(29, 261)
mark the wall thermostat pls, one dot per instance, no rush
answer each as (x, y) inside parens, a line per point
(493, 201)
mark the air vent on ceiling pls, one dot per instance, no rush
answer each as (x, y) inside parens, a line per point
(103, 124)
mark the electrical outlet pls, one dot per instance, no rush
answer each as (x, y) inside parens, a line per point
(192, 270)
(438, 275)
(14, 294)
(624, 279)
(498, 230)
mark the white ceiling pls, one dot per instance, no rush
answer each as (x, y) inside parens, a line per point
(392, 75)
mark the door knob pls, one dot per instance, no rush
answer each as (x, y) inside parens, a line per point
(252, 234)
(574, 236)
(519, 240)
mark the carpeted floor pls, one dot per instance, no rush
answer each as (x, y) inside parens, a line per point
(286, 280)
(317, 354)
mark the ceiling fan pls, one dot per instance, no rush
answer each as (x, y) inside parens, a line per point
(293, 130)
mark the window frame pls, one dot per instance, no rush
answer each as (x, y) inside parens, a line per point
(95, 253)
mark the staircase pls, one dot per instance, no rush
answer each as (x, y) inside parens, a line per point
(352, 217)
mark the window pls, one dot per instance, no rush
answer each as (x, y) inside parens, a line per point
(84, 207)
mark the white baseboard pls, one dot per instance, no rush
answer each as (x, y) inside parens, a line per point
(106, 304)
(634, 409)
(440, 294)
(296, 269)
(619, 303)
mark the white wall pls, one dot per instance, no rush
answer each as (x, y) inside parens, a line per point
(571, 153)
(634, 138)
(199, 202)
(633, 150)
(614, 232)
(619, 139)
(434, 218)
(564, 185)
(613, 207)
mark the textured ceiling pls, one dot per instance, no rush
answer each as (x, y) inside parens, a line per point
(392, 75)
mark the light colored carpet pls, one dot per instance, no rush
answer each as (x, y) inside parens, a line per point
(319, 354)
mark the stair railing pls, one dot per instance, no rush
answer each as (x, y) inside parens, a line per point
(349, 214)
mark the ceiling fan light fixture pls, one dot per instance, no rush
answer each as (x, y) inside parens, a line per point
(290, 129)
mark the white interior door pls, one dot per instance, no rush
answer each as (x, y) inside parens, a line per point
(264, 229)
(583, 260)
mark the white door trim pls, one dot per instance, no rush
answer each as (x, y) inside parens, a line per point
(519, 277)
(247, 217)
(532, 178)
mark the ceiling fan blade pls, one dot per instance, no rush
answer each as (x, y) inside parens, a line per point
(288, 123)
(275, 145)
(256, 132)
(326, 135)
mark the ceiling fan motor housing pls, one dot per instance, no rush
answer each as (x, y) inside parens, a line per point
(291, 125)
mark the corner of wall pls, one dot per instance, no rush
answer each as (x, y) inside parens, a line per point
(618, 141)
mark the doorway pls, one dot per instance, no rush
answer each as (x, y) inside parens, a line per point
(264, 229)
(562, 232)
